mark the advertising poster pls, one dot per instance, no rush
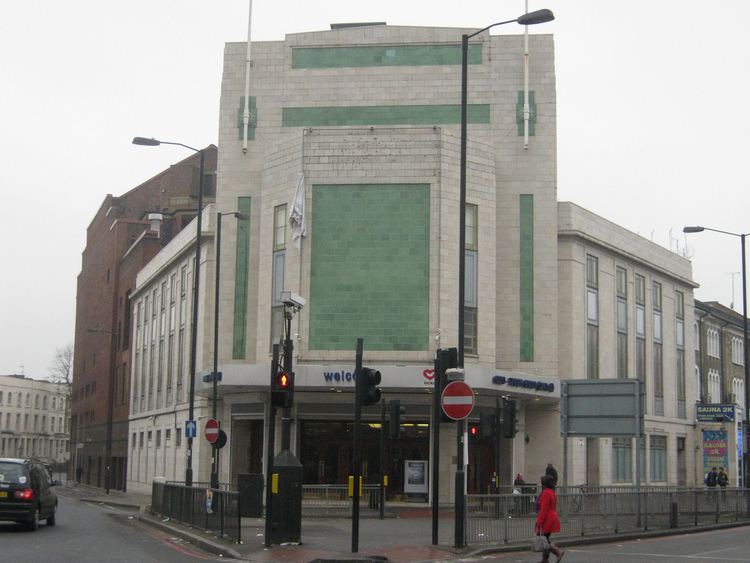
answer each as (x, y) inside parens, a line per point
(415, 479)
(715, 450)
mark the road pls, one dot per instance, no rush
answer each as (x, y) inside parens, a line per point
(721, 546)
(94, 533)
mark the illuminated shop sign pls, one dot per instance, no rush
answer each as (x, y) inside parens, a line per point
(530, 384)
(715, 413)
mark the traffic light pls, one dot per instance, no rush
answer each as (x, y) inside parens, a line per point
(370, 381)
(394, 419)
(473, 432)
(282, 390)
(509, 418)
(447, 358)
(487, 426)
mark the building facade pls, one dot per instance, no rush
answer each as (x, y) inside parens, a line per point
(125, 234)
(625, 311)
(33, 421)
(720, 375)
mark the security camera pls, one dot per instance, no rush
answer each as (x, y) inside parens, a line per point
(292, 299)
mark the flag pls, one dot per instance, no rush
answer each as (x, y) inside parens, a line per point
(297, 213)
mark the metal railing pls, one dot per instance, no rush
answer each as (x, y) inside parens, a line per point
(334, 500)
(511, 518)
(210, 509)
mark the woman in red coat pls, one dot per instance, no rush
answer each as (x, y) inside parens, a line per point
(547, 521)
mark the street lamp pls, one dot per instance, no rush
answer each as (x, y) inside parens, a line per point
(215, 374)
(110, 404)
(144, 141)
(698, 229)
(531, 18)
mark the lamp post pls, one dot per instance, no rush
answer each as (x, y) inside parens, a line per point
(143, 141)
(215, 373)
(698, 229)
(110, 405)
(532, 18)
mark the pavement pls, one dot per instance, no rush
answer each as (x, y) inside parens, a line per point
(405, 537)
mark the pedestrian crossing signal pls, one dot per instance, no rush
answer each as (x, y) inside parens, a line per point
(282, 390)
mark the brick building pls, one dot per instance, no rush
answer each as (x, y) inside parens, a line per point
(126, 232)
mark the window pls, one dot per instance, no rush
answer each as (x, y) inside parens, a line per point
(158, 438)
(640, 327)
(697, 336)
(592, 317)
(622, 460)
(714, 386)
(133, 442)
(470, 280)
(277, 274)
(680, 354)
(658, 350)
(140, 440)
(126, 332)
(738, 390)
(181, 332)
(170, 342)
(178, 437)
(622, 323)
(712, 343)
(738, 351)
(658, 451)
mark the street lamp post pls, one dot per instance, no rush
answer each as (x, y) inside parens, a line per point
(196, 285)
(215, 373)
(742, 236)
(113, 334)
(532, 18)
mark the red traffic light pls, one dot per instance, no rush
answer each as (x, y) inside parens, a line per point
(283, 381)
(474, 431)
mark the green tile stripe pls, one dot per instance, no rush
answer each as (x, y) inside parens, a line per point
(532, 113)
(382, 115)
(242, 258)
(253, 119)
(526, 297)
(383, 55)
(369, 273)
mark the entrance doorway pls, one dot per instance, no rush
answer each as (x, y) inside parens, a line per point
(247, 448)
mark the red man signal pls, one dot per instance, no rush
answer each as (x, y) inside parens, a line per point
(282, 390)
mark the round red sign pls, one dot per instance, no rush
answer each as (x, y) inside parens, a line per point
(457, 400)
(212, 430)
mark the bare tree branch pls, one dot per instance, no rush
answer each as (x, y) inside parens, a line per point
(61, 368)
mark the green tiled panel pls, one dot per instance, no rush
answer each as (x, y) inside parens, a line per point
(382, 115)
(253, 118)
(526, 301)
(242, 258)
(532, 113)
(369, 273)
(383, 55)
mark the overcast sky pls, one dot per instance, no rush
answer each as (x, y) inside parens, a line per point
(652, 104)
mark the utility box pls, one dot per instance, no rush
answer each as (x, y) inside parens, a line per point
(251, 494)
(286, 499)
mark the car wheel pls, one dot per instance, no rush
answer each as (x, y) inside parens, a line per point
(34, 522)
(51, 519)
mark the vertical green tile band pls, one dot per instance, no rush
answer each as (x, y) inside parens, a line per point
(369, 273)
(532, 113)
(526, 281)
(337, 116)
(382, 55)
(239, 332)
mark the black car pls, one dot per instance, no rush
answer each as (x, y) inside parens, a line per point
(26, 493)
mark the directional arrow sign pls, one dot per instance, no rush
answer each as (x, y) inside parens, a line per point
(190, 429)
(457, 400)
(212, 430)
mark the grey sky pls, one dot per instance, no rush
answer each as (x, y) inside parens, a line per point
(653, 122)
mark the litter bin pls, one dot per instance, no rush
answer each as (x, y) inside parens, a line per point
(251, 494)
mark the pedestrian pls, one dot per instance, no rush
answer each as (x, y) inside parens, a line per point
(547, 521)
(552, 472)
(712, 478)
(722, 479)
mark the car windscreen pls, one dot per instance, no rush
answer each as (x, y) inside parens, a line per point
(13, 473)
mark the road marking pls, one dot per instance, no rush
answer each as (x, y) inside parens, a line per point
(669, 555)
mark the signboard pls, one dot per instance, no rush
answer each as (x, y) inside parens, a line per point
(212, 430)
(190, 429)
(601, 407)
(415, 476)
(715, 450)
(457, 400)
(715, 413)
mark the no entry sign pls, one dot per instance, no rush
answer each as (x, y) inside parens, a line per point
(212, 430)
(457, 400)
